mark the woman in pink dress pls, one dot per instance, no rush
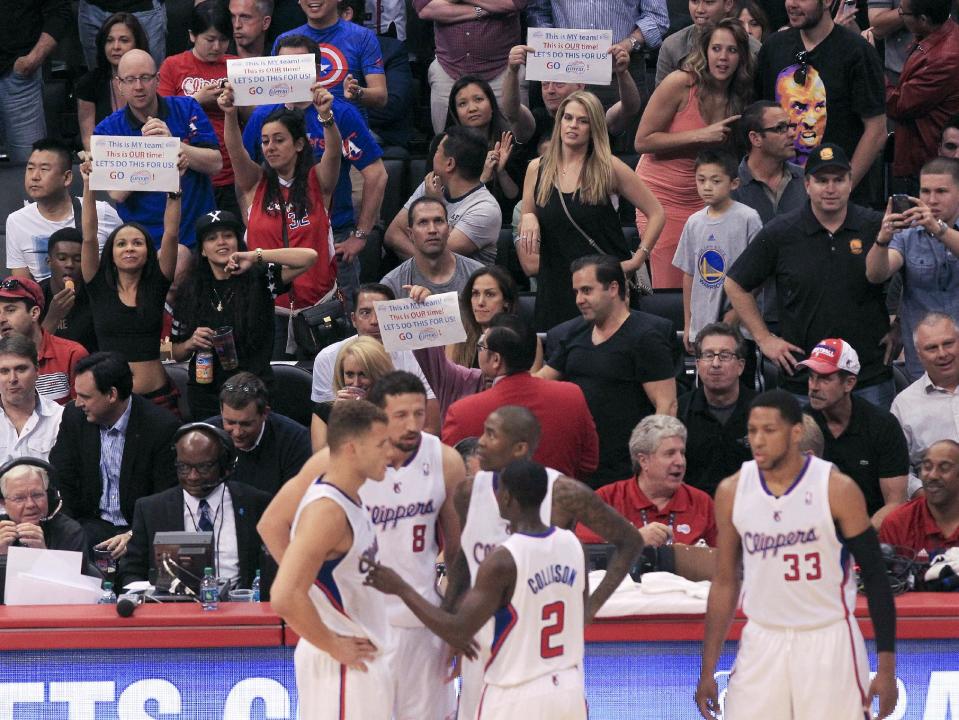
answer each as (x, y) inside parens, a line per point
(691, 110)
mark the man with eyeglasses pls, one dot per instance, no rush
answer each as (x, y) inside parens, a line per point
(923, 242)
(208, 499)
(927, 93)
(716, 411)
(271, 448)
(147, 114)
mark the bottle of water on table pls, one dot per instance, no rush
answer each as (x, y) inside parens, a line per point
(209, 590)
(107, 597)
(256, 587)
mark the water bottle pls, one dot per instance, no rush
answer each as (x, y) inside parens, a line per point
(107, 597)
(256, 587)
(209, 590)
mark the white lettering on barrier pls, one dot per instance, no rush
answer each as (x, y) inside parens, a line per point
(133, 699)
(239, 703)
(82, 697)
(942, 696)
(18, 693)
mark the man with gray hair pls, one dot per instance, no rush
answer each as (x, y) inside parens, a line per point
(29, 422)
(655, 499)
(251, 19)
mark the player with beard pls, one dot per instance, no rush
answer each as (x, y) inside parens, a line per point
(787, 523)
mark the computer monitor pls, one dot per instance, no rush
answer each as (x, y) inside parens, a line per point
(181, 556)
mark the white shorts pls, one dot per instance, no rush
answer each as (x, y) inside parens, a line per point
(327, 690)
(555, 696)
(419, 671)
(785, 674)
(472, 674)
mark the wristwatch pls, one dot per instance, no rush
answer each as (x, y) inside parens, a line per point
(361, 234)
(179, 193)
(943, 227)
(479, 12)
(635, 45)
(326, 121)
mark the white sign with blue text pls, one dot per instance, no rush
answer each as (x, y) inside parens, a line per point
(571, 56)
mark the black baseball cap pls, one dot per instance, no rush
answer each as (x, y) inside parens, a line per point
(827, 155)
(208, 222)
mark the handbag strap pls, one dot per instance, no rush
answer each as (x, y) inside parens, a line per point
(592, 243)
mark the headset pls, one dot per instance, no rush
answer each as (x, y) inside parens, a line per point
(228, 455)
(54, 500)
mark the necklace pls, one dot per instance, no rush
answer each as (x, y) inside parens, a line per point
(219, 302)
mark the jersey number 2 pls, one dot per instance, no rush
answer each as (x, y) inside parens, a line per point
(555, 615)
(810, 562)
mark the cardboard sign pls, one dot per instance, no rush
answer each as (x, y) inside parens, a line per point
(573, 56)
(409, 325)
(272, 80)
(135, 163)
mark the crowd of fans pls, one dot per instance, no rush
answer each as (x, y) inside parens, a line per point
(796, 193)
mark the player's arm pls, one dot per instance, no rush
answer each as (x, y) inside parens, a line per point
(494, 585)
(457, 569)
(322, 533)
(276, 521)
(723, 596)
(849, 511)
(574, 502)
(454, 474)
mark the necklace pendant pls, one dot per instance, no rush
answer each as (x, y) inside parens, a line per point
(219, 307)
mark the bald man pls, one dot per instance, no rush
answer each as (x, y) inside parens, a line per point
(147, 114)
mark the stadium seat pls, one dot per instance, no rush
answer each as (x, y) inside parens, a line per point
(290, 395)
(527, 305)
(627, 213)
(665, 303)
(395, 194)
(417, 171)
(179, 374)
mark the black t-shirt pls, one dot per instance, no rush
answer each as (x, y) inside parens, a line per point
(611, 376)
(78, 324)
(821, 286)
(851, 73)
(94, 87)
(872, 447)
(134, 332)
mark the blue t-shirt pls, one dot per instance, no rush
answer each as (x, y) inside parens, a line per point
(359, 149)
(344, 48)
(187, 121)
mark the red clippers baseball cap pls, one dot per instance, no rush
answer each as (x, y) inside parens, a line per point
(21, 288)
(832, 355)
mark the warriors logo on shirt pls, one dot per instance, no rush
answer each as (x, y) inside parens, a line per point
(712, 266)
(332, 68)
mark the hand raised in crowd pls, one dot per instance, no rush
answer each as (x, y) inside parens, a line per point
(240, 262)
(117, 545)
(322, 99)
(208, 94)
(656, 534)
(351, 88)
(61, 304)
(497, 158)
(517, 55)
(781, 352)
(920, 215)
(351, 392)
(529, 233)
(432, 187)
(846, 15)
(155, 127)
(417, 293)
(201, 339)
(718, 132)
(620, 57)
(86, 165)
(226, 99)
(892, 222)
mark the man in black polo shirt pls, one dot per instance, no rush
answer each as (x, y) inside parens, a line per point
(715, 413)
(817, 258)
(863, 441)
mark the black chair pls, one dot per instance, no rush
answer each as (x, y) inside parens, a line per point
(627, 213)
(179, 374)
(291, 392)
(527, 306)
(417, 171)
(899, 377)
(395, 194)
(666, 304)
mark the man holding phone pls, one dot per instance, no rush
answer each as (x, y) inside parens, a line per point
(920, 235)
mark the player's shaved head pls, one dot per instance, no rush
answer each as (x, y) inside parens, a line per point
(519, 425)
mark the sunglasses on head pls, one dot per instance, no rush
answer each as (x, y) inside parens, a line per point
(799, 76)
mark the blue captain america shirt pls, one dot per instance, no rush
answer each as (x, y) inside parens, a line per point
(187, 121)
(360, 149)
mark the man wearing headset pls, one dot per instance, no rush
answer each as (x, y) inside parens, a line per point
(205, 500)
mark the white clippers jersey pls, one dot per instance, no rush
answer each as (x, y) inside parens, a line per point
(485, 529)
(541, 630)
(796, 572)
(404, 509)
(344, 603)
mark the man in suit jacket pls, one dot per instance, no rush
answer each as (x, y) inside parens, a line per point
(568, 440)
(203, 501)
(113, 448)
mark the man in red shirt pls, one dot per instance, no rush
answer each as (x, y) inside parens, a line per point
(931, 521)
(655, 499)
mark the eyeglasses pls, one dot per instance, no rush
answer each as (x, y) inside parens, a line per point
(724, 357)
(780, 128)
(482, 346)
(133, 79)
(204, 468)
(248, 388)
(36, 498)
(799, 77)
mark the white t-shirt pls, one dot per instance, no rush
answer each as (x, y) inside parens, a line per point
(322, 390)
(476, 214)
(28, 233)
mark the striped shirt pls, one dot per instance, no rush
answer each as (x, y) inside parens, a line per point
(112, 441)
(57, 358)
(620, 16)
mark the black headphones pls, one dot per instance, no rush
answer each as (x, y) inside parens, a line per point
(228, 455)
(54, 501)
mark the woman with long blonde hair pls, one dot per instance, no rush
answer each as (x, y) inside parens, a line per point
(568, 210)
(692, 109)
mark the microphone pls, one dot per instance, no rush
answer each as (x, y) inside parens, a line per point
(127, 603)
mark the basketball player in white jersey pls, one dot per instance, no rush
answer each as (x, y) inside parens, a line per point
(409, 510)
(343, 659)
(534, 588)
(511, 433)
(788, 522)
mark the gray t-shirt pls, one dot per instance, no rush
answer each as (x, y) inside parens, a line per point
(408, 274)
(707, 249)
(476, 214)
(897, 45)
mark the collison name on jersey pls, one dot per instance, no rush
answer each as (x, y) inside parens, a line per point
(754, 543)
(550, 575)
(384, 515)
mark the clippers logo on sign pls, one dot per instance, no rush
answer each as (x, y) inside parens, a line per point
(332, 68)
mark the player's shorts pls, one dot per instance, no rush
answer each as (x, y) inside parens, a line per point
(327, 690)
(472, 674)
(420, 670)
(555, 696)
(788, 674)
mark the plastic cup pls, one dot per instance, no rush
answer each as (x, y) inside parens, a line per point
(225, 347)
(104, 561)
(241, 595)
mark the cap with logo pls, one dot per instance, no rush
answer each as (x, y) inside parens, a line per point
(22, 288)
(208, 222)
(827, 155)
(832, 355)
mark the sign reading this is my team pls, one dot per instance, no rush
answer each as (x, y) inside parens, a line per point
(409, 325)
(135, 163)
(272, 80)
(576, 56)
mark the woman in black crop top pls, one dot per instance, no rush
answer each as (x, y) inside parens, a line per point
(127, 286)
